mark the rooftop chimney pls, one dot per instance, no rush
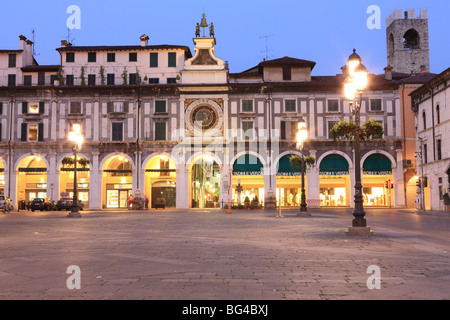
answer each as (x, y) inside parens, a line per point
(22, 45)
(29, 53)
(64, 43)
(144, 40)
(388, 73)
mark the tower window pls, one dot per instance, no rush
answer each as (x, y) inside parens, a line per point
(411, 40)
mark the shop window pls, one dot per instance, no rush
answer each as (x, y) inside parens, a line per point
(164, 166)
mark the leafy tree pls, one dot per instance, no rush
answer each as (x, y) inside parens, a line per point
(346, 131)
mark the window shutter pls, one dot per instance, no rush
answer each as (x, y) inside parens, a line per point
(160, 131)
(24, 107)
(24, 134)
(154, 60)
(110, 107)
(40, 132)
(283, 130)
(160, 106)
(172, 59)
(41, 107)
(0, 132)
(125, 107)
(1, 108)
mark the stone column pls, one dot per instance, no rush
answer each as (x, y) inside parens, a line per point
(95, 185)
(53, 177)
(399, 183)
(313, 184)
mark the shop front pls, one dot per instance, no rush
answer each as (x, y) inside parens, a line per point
(249, 175)
(289, 180)
(205, 183)
(116, 182)
(334, 181)
(66, 175)
(160, 181)
(31, 179)
(378, 186)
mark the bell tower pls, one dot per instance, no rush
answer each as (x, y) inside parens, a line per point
(407, 41)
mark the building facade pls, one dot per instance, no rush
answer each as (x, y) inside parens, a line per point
(431, 103)
(180, 127)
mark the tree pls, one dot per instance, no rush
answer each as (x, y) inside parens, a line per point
(296, 161)
(346, 131)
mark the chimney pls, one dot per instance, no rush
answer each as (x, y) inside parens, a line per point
(423, 69)
(63, 43)
(144, 40)
(23, 40)
(388, 73)
(29, 53)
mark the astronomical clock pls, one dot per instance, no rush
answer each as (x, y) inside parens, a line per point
(204, 115)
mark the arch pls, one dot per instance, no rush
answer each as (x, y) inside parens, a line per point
(24, 156)
(253, 153)
(343, 154)
(193, 158)
(387, 154)
(411, 40)
(107, 159)
(146, 160)
(281, 155)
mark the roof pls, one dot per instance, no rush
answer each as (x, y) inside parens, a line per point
(12, 50)
(125, 48)
(287, 61)
(37, 68)
(418, 78)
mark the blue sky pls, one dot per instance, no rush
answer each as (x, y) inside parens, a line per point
(324, 31)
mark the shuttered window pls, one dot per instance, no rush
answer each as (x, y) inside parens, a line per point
(117, 131)
(172, 59)
(154, 60)
(160, 131)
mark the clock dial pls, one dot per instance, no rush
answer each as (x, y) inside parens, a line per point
(204, 117)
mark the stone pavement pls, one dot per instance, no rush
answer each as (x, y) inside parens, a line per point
(210, 255)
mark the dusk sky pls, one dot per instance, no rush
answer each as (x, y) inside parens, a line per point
(323, 31)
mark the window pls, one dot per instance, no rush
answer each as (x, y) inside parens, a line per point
(425, 153)
(247, 105)
(330, 126)
(117, 107)
(111, 57)
(92, 56)
(438, 115)
(69, 80)
(160, 131)
(53, 77)
(283, 130)
(411, 40)
(247, 130)
(91, 79)
(289, 106)
(164, 167)
(70, 56)
(294, 130)
(171, 80)
(333, 105)
(160, 106)
(375, 104)
(75, 107)
(153, 80)
(11, 80)
(32, 132)
(41, 78)
(132, 78)
(12, 60)
(424, 119)
(27, 80)
(110, 78)
(172, 59)
(117, 131)
(154, 60)
(132, 56)
(33, 107)
(286, 73)
(439, 149)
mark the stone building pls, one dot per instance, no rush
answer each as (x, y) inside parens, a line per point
(431, 104)
(181, 127)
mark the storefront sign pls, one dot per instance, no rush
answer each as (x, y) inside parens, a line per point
(377, 173)
(123, 186)
(247, 173)
(333, 173)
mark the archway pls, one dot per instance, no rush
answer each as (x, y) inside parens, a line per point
(160, 181)
(289, 182)
(66, 174)
(378, 181)
(411, 40)
(204, 182)
(31, 178)
(248, 172)
(2, 177)
(117, 182)
(334, 181)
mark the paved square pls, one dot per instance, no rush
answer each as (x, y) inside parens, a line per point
(207, 254)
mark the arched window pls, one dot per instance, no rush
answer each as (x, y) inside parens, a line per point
(424, 118)
(411, 40)
(391, 44)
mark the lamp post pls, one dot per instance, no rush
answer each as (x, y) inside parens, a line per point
(354, 86)
(302, 134)
(76, 137)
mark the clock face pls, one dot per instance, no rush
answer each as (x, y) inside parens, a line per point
(204, 117)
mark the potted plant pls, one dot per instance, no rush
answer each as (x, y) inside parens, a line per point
(446, 198)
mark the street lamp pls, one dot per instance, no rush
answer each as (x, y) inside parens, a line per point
(76, 137)
(354, 86)
(302, 134)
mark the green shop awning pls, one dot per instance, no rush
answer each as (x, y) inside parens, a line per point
(247, 165)
(285, 168)
(333, 165)
(377, 164)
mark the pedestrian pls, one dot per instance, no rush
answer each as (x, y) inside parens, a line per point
(146, 202)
